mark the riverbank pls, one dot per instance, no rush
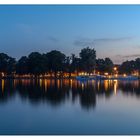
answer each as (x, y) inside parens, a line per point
(4, 78)
(73, 77)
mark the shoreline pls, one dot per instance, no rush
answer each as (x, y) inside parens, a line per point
(68, 78)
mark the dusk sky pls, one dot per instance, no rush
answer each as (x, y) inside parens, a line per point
(114, 31)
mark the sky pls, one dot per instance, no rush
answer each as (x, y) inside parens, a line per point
(112, 30)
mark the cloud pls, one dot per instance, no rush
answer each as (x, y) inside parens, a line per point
(132, 55)
(113, 39)
(118, 59)
(83, 42)
(127, 56)
(53, 39)
(90, 42)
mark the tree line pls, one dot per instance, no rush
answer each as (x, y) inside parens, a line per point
(57, 63)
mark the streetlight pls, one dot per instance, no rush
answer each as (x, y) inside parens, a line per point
(115, 68)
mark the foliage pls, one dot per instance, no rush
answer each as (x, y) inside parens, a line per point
(88, 59)
(56, 62)
(7, 64)
(104, 65)
(129, 66)
(22, 65)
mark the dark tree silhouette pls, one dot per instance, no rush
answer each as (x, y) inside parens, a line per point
(104, 65)
(56, 61)
(137, 64)
(36, 63)
(108, 65)
(7, 64)
(88, 59)
(75, 64)
(128, 67)
(100, 65)
(22, 65)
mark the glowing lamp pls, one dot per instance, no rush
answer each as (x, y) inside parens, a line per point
(115, 68)
(106, 73)
(124, 75)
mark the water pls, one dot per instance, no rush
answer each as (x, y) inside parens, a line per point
(69, 107)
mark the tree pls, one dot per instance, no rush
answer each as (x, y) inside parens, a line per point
(22, 65)
(72, 64)
(36, 63)
(7, 64)
(88, 59)
(45, 63)
(75, 64)
(100, 65)
(11, 68)
(137, 64)
(104, 65)
(3, 62)
(127, 67)
(67, 66)
(108, 65)
(56, 61)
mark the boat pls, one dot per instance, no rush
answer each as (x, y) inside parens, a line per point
(85, 77)
(102, 77)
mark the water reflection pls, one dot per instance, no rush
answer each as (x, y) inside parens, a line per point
(57, 92)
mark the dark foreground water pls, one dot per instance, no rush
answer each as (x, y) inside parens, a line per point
(69, 107)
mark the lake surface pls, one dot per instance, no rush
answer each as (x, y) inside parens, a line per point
(69, 107)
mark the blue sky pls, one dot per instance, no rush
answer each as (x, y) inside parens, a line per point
(114, 31)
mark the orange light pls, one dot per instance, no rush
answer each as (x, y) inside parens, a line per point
(2, 74)
(106, 73)
(124, 75)
(115, 68)
(2, 85)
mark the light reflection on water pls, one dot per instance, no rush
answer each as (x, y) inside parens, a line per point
(57, 90)
(69, 106)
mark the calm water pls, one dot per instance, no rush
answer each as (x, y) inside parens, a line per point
(69, 107)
